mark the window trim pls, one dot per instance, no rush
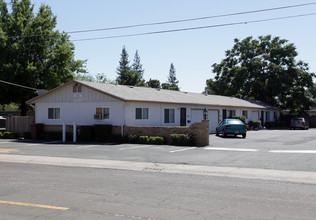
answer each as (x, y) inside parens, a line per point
(167, 118)
(55, 114)
(246, 115)
(102, 114)
(142, 114)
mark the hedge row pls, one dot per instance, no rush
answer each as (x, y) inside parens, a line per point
(176, 139)
(8, 135)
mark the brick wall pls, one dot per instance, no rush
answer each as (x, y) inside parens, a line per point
(199, 129)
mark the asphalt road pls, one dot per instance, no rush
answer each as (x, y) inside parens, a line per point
(268, 175)
(267, 149)
(92, 193)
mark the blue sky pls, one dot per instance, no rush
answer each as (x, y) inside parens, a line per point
(192, 52)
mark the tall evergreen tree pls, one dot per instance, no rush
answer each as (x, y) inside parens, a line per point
(137, 67)
(172, 83)
(128, 75)
(153, 83)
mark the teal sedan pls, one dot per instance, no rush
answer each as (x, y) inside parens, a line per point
(231, 127)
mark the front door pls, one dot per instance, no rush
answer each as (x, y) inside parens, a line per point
(183, 117)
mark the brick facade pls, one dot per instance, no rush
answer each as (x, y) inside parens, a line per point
(199, 129)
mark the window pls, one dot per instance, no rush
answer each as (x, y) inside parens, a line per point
(169, 115)
(141, 113)
(104, 112)
(245, 113)
(231, 113)
(76, 88)
(53, 113)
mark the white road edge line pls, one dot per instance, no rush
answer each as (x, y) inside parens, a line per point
(88, 146)
(49, 142)
(185, 149)
(231, 149)
(131, 148)
(294, 151)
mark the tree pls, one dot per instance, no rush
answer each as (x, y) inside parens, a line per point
(313, 91)
(153, 83)
(264, 69)
(32, 52)
(172, 83)
(130, 75)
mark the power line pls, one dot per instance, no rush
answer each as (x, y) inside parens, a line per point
(13, 84)
(191, 19)
(194, 28)
(176, 21)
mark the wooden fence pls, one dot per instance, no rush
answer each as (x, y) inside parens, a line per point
(19, 124)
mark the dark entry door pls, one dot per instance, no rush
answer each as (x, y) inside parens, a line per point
(183, 117)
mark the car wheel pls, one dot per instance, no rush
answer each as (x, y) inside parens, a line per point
(244, 136)
(217, 134)
(225, 135)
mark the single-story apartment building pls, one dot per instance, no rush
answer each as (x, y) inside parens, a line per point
(88, 103)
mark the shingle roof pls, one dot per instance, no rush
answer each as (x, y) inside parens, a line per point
(142, 94)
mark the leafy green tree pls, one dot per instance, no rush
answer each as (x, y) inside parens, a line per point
(153, 83)
(32, 52)
(313, 91)
(130, 75)
(172, 83)
(264, 69)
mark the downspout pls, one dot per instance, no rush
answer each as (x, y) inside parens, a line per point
(123, 124)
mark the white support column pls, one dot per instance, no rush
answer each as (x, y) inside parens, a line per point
(74, 133)
(64, 132)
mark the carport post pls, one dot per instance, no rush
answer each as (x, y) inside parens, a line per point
(64, 132)
(75, 133)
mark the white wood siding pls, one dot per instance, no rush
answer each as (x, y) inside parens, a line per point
(66, 94)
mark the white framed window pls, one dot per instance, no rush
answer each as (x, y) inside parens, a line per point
(103, 112)
(245, 113)
(169, 116)
(141, 113)
(53, 113)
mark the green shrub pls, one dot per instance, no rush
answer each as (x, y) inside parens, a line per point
(254, 124)
(9, 135)
(240, 117)
(151, 140)
(133, 139)
(182, 139)
(143, 139)
(156, 140)
(86, 133)
(102, 132)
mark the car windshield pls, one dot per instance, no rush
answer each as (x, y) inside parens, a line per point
(234, 122)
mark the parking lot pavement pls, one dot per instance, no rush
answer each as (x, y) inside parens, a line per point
(267, 149)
